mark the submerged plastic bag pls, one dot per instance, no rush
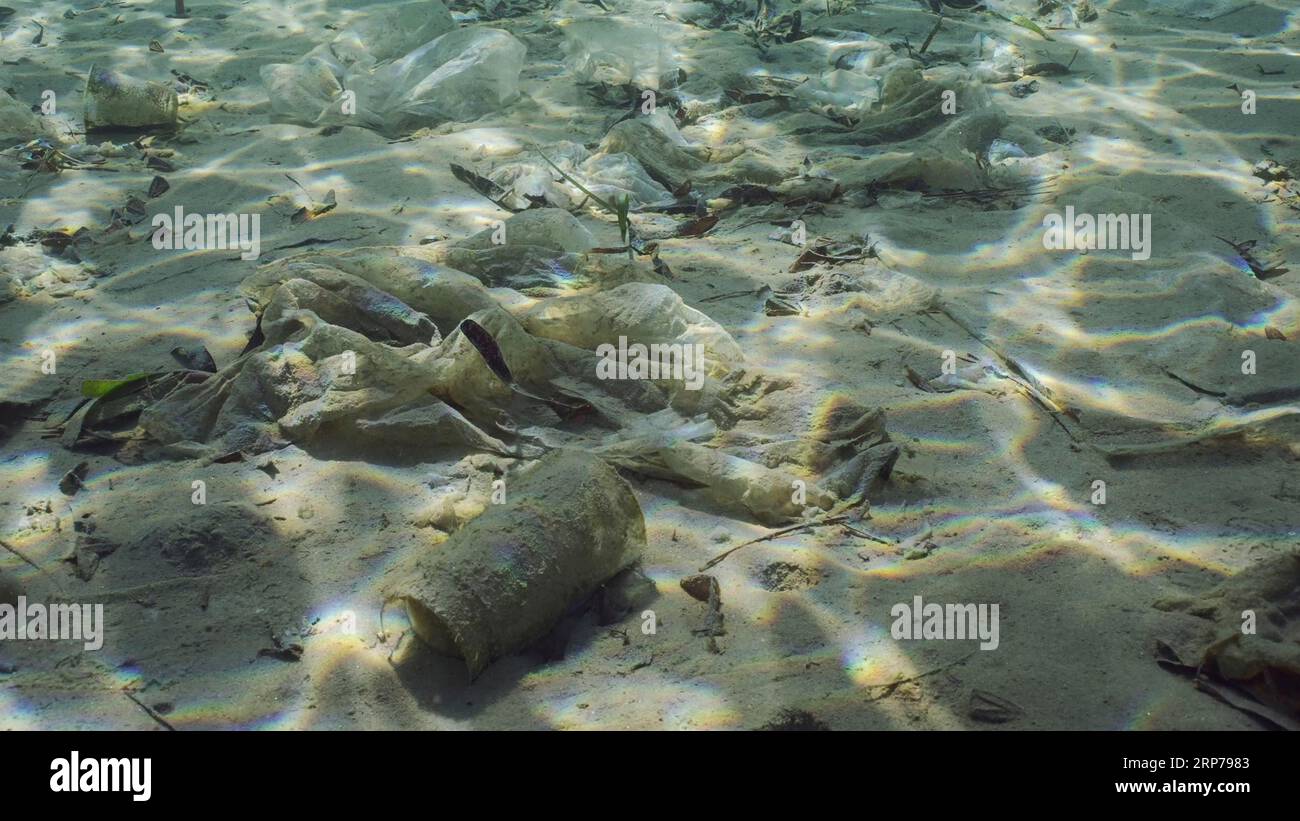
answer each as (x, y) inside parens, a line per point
(404, 67)
(504, 580)
(378, 352)
(617, 51)
(388, 31)
(609, 176)
(311, 382)
(641, 312)
(844, 463)
(461, 76)
(1264, 663)
(349, 358)
(17, 122)
(531, 249)
(444, 295)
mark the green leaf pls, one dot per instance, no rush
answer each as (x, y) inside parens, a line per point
(1026, 23)
(101, 388)
(1022, 21)
(624, 224)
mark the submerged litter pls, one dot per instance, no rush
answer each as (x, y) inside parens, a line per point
(404, 66)
(569, 524)
(1248, 640)
(116, 100)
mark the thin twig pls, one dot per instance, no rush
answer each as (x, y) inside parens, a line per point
(829, 520)
(891, 686)
(1034, 394)
(39, 569)
(152, 713)
(930, 37)
(862, 534)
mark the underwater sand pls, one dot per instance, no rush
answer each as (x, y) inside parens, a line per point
(304, 553)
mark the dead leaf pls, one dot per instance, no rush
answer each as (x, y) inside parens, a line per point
(699, 586)
(985, 706)
(72, 481)
(698, 227)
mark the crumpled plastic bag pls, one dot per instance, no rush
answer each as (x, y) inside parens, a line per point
(26, 270)
(531, 249)
(379, 354)
(385, 367)
(848, 298)
(17, 122)
(461, 76)
(912, 104)
(647, 159)
(643, 312)
(387, 31)
(670, 163)
(1266, 663)
(443, 294)
(842, 465)
(616, 50)
(311, 382)
(608, 176)
(406, 66)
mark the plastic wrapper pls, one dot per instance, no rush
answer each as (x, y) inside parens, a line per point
(386, 76)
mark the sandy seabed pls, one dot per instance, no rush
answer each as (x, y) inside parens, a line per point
(262, 608)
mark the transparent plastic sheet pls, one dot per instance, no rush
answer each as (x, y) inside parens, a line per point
(26, 270)
(1264, 663)
(17, 122)
(406, 66)
(312, 382)
(532, 249)
(616, 50)
(388, 380)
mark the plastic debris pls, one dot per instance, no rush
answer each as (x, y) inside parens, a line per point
(405, 67)
(569, 524)
(116, 100)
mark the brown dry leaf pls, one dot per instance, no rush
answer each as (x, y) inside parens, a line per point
(1274, 333)
(698, 227)
(315, 209)
(158, 163)
(699, 586)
